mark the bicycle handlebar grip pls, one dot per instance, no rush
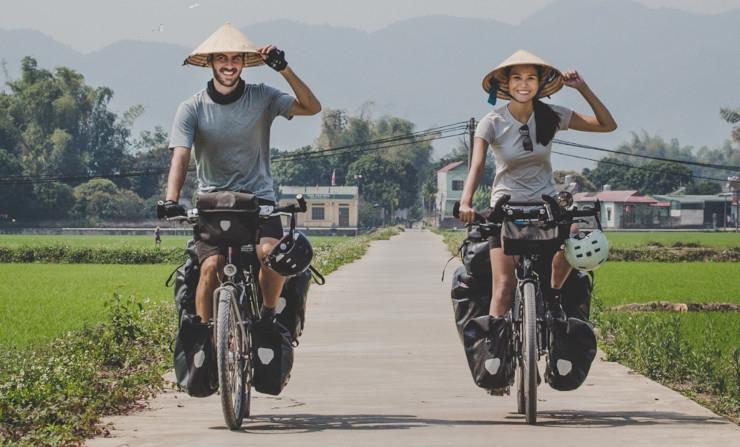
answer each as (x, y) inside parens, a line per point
(301, 203)
(456, 210)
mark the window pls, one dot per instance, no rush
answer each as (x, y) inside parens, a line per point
(317, 211)
(457, 185)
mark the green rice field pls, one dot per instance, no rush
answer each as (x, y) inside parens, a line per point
(40, 301)
(706, 239)
(19, 240)
(692, 282)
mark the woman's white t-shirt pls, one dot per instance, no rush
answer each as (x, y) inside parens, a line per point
(524, 175)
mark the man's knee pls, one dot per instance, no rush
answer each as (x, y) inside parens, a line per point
(209, 267)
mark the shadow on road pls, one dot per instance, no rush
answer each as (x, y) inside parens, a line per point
(306, 423)
(596, 419)
(320, 422)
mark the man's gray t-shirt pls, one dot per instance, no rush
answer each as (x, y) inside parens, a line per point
(524, 175)
(231, 142)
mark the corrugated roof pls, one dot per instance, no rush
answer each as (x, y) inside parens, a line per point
(691, 198)
(451, 166)
(630, 196)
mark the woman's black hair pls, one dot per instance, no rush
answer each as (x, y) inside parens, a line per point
(545, 118)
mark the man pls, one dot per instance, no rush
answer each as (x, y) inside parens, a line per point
(227, 127)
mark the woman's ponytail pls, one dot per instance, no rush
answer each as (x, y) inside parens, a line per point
(547, 122)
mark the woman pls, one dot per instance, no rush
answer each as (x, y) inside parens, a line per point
(521, 134)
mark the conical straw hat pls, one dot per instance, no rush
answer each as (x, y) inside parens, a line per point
(551, 82)
(227, 39)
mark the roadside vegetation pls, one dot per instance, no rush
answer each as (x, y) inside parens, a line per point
(109, 350)
(695, 353)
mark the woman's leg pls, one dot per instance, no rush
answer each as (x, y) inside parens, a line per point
(504, 282)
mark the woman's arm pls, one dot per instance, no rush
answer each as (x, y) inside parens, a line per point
(602, 122)
(477, 164)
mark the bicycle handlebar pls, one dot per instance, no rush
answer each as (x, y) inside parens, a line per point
(547, 210)
(265, 211)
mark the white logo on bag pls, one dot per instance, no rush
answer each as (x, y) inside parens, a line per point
(492, 365)
(225, 225)
(199, 358)
(265, 355)
(281, 305)
(563, 366)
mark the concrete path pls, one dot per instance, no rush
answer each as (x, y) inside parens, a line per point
(380, 364)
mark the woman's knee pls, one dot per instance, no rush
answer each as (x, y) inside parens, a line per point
(209, 267)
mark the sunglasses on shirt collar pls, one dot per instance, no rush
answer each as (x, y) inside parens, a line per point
(526, 139)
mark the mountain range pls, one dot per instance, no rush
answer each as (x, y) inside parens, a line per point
(663, 71)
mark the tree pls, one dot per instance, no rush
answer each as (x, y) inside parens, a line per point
(102, 199)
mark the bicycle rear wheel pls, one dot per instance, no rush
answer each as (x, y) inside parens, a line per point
(529, 353)
(232, 355)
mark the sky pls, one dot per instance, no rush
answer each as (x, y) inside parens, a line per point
(88, 25)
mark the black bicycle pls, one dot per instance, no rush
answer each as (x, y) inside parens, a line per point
(233, 224)
(532, 231)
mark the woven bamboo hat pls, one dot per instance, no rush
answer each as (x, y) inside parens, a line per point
(227, 39)
(551, 81)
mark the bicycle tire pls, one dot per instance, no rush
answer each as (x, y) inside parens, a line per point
(529, 352)
(230, 345)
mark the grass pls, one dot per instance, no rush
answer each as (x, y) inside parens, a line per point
(696, 282)
(697, 354)
(46, 300)
(637, 239)
(41, 301)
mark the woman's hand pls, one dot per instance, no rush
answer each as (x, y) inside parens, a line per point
(466, 213)
(574, 80)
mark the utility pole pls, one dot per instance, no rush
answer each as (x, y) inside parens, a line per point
(471, 134)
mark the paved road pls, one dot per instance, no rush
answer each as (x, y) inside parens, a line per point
(380, 364)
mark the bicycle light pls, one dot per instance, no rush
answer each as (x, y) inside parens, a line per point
(230, 270)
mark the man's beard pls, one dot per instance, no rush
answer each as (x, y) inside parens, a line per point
(228, 84)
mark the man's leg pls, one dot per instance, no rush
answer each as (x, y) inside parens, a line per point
(271, 283)
(210, 268)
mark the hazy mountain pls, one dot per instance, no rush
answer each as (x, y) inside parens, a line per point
(664, 71)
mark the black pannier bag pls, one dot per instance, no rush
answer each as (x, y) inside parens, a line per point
(186, 281)
(195, 361)
(576, 295)
(291, 310)
(572, 350)
(487, 342)
(272, 357)
(219, 224)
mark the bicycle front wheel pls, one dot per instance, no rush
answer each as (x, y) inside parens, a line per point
(529, 352)
(231, 351)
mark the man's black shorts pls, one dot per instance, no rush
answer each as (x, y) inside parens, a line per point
(272, 228)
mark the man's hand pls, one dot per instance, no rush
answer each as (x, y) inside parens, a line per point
(273, 57)
(169, 208)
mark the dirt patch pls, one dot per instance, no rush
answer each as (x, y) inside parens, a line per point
(667, 306)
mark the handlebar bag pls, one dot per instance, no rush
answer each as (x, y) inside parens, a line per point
(227, 218)
(529, 239)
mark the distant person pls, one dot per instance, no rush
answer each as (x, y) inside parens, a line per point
(226, 126)
(157, 236)
(520, 134)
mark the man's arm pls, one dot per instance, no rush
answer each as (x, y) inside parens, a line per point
(178, 171)
(305, 103)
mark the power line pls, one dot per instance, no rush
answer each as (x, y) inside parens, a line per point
(427, 135)
(642, 168)
(651, 157)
